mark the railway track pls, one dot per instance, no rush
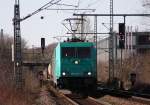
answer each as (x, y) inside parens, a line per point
(63, 98)
(85, 101)
(122, 93)
(119, 101)
(73, 99)
(112, 100)
(140, 100)
(60, 98)
(126, 96)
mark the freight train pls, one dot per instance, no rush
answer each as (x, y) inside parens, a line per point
(74, 65)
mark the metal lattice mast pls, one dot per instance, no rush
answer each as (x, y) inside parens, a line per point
(95, 29)
(111, 43)
(2, 43)
(95, 37)
(17, 47)
(82, 27)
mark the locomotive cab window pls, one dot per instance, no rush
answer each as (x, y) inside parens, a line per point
(83, 52)
(68, 52)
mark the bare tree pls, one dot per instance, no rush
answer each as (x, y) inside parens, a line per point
(6, 64)
(146, 6)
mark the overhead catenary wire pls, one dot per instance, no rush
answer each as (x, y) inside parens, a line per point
(66, 27)
(55, 3)
(47, 5)
(93, 3)
(76, 8)
(69, 9)
(66, 5)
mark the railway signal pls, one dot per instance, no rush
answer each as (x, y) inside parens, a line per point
(121, 29)
(121, 35)
(42, 44)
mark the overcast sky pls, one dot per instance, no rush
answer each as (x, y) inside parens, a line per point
(34, 28)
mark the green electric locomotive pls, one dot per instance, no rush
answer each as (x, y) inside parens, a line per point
(74, 65)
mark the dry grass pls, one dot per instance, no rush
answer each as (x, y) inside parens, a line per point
(8, 94)
(143, 69)
(102, 71)
(139, 64)
(11, 97)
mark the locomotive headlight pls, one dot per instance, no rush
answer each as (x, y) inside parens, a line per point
(76, 62)
(63, 73)
(89, 73)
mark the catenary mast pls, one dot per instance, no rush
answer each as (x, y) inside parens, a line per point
(17, 47)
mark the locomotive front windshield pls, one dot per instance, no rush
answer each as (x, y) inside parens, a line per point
(83, 52)
(68, 52)
(76, 52)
